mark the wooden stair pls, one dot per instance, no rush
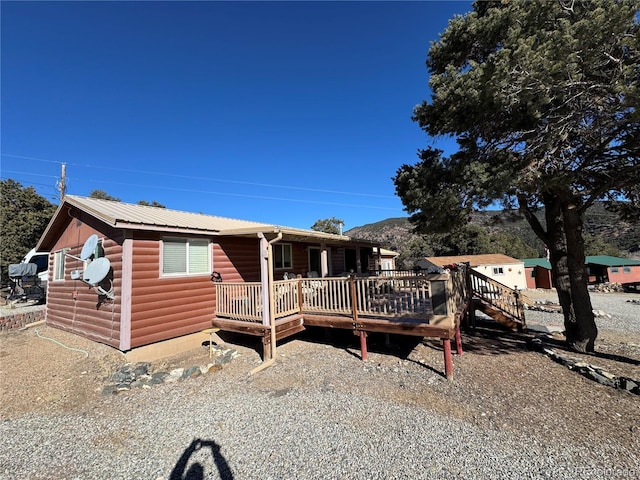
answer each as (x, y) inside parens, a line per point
(499, 316)
(501, 303)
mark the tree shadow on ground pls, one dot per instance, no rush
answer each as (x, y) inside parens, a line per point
(559, 344)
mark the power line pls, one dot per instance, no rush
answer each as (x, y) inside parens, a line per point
(261, 197)
(46, 185)
(30, 174)
(193, 177)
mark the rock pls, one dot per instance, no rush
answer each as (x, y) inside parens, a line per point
(158, 378)
(212, 368)
(631, 386)
(141, 368)
(600, 378)
(123, 376)
(191, 372)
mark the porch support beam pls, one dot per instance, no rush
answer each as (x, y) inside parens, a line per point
(448, 361)
(324, 261)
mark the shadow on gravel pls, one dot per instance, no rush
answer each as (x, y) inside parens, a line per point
(397, 345)
(196, 470)
(560, 345)
(491, 338)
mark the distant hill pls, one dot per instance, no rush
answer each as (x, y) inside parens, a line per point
(396, 233)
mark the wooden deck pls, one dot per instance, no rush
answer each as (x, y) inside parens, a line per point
(432, 305)
(416, 305)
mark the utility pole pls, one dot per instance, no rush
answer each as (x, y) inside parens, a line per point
(62, 184)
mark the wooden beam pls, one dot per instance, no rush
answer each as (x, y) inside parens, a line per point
(448, 361)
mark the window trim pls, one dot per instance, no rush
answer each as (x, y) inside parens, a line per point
(187, 241)
(282, 247)
(59, 264)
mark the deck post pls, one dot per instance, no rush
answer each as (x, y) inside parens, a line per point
(363, 346)
(458, 341)
(448, 362)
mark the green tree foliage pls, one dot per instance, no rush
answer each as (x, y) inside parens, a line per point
(416, 248)
(542, 99)
(328, 225)
(511, 245)
(151, 204)
(102, 195)
(597, 245)
(24, 215)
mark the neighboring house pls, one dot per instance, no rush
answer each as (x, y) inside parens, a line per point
(600, 269)
(153, 277)
(604, 268)
(383, 260)
(501, 268)
(538, 273)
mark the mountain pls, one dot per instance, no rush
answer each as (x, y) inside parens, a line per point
(397, 233)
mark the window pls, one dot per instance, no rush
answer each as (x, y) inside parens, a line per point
(626, 269)
(181, 256)
(58, 264)
(498, 271)
(282, 257)
(614, 269)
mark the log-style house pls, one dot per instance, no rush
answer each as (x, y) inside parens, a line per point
(131, 276)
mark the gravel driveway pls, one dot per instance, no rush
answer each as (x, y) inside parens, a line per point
(322, 413)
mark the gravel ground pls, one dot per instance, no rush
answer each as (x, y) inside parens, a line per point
(624, 313)
(320, 412)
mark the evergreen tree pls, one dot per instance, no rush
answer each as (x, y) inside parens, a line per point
(24, 215)
(542, 99)
(328, 225)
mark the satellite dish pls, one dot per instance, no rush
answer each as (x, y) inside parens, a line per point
(89, 247)
(96, 271)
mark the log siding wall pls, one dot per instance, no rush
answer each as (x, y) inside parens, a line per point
(74, 306)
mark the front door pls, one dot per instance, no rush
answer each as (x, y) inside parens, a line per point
(315, 263)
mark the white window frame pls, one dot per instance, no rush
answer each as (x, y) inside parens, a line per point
(189, 242)
(498, 270)
(59, 264)
(284, 248)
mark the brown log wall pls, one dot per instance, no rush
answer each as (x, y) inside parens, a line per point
(168, 307)
(74, 306)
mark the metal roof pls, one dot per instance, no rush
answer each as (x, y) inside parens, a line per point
(127, 215)
(143, 217)
(610, 261)
(537, 262)
(604, 260)
(474, 260)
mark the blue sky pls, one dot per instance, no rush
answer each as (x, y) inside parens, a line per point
(279, 112)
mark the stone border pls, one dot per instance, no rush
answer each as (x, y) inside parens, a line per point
(587, 370)
(140, 375)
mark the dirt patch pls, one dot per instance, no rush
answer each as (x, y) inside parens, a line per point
(47, 369)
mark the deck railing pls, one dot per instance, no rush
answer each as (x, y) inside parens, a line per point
(239, 301)
(416, 296)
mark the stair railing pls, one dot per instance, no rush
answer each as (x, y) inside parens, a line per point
(507, 300)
